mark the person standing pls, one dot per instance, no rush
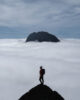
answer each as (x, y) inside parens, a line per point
(41, 72)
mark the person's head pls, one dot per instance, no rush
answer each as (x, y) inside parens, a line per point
(40, 67)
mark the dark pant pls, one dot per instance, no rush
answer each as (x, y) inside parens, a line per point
(41, 79)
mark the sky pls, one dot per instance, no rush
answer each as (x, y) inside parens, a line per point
(19, 18)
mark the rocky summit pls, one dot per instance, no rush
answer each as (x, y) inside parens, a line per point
(41, 92)
(42, 37)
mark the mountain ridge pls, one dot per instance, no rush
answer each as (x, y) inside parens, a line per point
(42, 36)
(41, 92)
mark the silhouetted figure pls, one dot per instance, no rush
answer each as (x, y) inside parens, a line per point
(41, 72)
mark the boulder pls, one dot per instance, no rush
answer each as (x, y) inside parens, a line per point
(41, 92)
(42, 37)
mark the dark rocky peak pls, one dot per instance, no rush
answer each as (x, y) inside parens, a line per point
(42, 37)
(41, 92)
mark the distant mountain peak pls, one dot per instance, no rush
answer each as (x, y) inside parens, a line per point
(41, 92)
(42, 37)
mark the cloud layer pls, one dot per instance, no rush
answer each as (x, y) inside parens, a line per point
(40, 14)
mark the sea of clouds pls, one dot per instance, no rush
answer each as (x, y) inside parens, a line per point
(20, 62)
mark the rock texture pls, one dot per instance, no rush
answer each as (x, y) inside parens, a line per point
(41, 92)
(41, 37)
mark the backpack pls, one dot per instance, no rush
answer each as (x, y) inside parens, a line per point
(43, 71)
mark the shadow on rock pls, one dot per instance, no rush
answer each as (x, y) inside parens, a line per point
(41, 92)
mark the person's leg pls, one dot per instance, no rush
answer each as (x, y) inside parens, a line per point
(42, 80)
